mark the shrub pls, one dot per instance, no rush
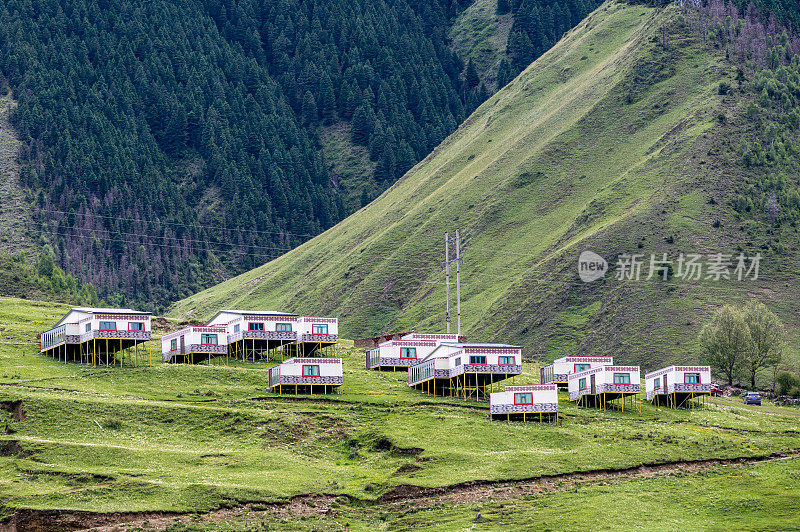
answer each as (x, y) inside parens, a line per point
(787, 383)
(724, 88)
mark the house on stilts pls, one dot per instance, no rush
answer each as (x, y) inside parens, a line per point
(677, 386)
(192, 345)
(98, 336)
(306, 375)
(558, 371)
(257, 334)
(467, 370)
(599, 387)
(405, 351)
(530, 402)
(253, 335)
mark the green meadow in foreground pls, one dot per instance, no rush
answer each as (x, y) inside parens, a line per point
(196, 438)
(752, 497)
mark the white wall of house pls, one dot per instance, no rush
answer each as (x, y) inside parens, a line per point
(416, 349)
(542, 393)
(654, 381)
(263, 323)
(215, 335)
(328, 367)
(604, 376)
(318, 325)
(444, 337)
(569, 364)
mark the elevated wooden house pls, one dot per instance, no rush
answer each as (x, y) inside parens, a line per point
(257, 334)
(465, 369)
(406, 351)
(97, 335)
(192, 345)
(315, 335)
(599, 386)
(676, 386)
(559, 370)
(533, 402)
(306, 375)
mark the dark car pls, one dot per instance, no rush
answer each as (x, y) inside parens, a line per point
(715, 391)
(751, 398)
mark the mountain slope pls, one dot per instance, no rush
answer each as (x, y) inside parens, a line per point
(609, 142)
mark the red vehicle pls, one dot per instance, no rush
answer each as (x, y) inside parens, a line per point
(715, 392)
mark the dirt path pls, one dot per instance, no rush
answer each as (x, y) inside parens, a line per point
(401, 498)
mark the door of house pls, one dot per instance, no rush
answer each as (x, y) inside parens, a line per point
(183, 345)
(664, 387)
(591, 380)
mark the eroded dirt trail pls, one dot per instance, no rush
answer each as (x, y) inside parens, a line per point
(400, 498)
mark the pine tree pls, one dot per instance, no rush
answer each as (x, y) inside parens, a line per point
(471, 75)
(309, 108)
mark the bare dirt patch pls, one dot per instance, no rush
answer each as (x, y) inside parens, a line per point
(15, 407)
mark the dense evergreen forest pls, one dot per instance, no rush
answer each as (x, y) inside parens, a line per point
(175, 142)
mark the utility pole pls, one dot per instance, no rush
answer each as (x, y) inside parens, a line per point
(447, 276)
(447, 262)
(458, 279)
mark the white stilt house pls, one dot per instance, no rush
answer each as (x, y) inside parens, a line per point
(406, 351)
(558, 371)
(465, 369)
(674, 386)
(97, 335)
(306, 375)
(267, 334)
(315, 334)
(599, 386)
(530, 402)
(192, 345)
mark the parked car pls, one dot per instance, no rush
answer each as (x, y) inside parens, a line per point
(715, 391)
(751, 398)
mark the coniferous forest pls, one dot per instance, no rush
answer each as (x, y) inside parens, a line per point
(170, 144)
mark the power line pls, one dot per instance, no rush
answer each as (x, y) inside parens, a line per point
(195, 225)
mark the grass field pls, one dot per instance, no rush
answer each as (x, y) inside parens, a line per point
(610, 142)
(182, 438)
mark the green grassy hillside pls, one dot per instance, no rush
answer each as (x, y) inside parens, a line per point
(179, 438)
(618, 141)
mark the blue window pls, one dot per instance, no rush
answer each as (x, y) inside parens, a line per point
(408, 352)
(691, 378)
(208, 339)
(582, 367)
(506, 361)
(255, 326)
(582, 383)
(108, 326)
(311, 370)
(319, 328)
(283, 327)
(135, 326)
(622, 378)
(478, 360)
(523, 398)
